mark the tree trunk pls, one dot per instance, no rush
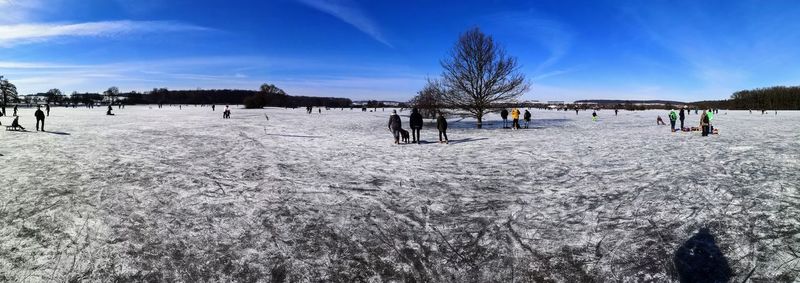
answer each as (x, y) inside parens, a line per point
(480, 121)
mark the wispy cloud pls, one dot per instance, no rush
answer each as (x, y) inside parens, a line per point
(349, 12)
(541, 76)
(16, 34)
(715, 54)
(552, 35)
(16, 11)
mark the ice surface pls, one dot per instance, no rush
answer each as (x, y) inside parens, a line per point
(169, 194)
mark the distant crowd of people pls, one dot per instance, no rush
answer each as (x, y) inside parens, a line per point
(415, 122)
(515, 118)
(706, 117)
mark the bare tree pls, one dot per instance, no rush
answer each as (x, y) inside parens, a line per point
(429, 100)
(479, 74)
(271, 89)
(111, 93)
(54, 95)
(7, 89)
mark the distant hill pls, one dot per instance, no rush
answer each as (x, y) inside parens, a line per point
(777, 97)
(614, 101)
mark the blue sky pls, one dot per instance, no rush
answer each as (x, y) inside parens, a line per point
(679, 50)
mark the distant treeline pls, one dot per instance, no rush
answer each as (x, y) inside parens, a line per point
(624, 102)
(771, 98)
(250, 98)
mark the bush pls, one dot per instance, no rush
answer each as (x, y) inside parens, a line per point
(255, 101)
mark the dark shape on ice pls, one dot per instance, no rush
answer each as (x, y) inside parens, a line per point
(59, 133)
(699, 259)
(467, 140)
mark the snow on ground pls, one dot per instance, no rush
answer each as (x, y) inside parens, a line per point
(183, 195)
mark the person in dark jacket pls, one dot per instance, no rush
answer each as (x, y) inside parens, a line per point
(109, 111)
(527, 118)
(15, 123)
(682, 117)
(395, 126)
(39, 117)
(441, 124)
(47, 109)
(504, 115)
(704, 123)
(416, 125)
(15, 110)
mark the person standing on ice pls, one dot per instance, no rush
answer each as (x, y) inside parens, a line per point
(109, 111)
(616, 111)
(504, 116)
(594, 116)
(527, 118)
(515, 119)
(704, 123)
(39, 117)
(395, 125)
(710, 114)
(672, 118)
(682, 116)
(441, 125)
(15, 110)
(213, 107)
(415, 121)
(47, 109)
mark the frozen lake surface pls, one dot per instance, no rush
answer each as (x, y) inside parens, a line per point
(183, 195)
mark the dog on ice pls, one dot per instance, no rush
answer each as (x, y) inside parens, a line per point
(403, 136)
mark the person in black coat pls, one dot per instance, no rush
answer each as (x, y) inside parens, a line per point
(504, 115)
(441, 124)
(682, 117)
(527, 118)
(416, 125)
(395, 126)
(15, 123)
(39, 117)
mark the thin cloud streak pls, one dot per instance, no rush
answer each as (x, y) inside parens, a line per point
(552, 35)
(348, 12)
(16, 34)
(17, 11)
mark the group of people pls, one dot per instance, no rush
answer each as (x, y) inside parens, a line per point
(39, 115)
(515, 118)
(706, 117)
(415, 122)
(226, 114)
